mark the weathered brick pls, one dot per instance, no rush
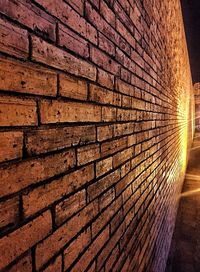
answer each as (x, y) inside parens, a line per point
(92, 251)
(23, 265)
(88, 153)
(122, 156)
(49, 54)
(78, 5)
(76, 247)
(113, 146)
(106, 45)
(70, 40)
(104, 133)
(11, 144)
(107, 13)
(109, 114)
(72, 87)
(46, 195)
(70, 18)
(56, 265)
(13, 40)
(65, 137)
(16, 111)
(31, 16)
(105, 79)
(101, 59)
(13, 246)
(18, 176)
(47, 248)
(26, 78)
(103, 96)
(60, 111)
(102, 185)
(103, 166)
(9, 212)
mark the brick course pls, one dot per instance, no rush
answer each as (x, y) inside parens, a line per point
(96, 106)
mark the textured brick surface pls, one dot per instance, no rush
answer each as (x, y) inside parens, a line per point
(95, 120)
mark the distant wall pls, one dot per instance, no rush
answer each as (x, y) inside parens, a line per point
(96, 110)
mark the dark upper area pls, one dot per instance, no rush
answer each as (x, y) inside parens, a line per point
(191, 17)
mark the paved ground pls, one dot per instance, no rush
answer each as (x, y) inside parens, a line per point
(185, 249)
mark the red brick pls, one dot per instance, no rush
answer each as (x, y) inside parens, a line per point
(76, 247)
(106, 198)
(65, 137)
(102, 185)
(70, 17)
(101, 59)
(46, 195)
(31, 16)
(107, 13)
(56, 265)
(18, 176)
(113, 146)
(104, 133)
(91, 252)
(47, 248)
(9, 212)
(88, 153)
(106, 45)
(13, 245)
(70, 40)
(109, 114)
(13, 40)
(78, 5)
(72, 87)
(26, 78)
(17, 111)
(49, 54)
(11, 144)
(122, 156)
(61, 111)
(70, 206)
(105, 79)
(23, 265)
(124, 87)
(103, 96)
(103, 166)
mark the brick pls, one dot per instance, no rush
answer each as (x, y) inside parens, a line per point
(25, 173)
(103, 166)
(70, 206)
(72, 87)
(60, 111)
(31, 16)
(105, 79)
(104, 133)
(122, 156)
(78, 5)
(9, 212)
(102, 185)
(76, 247)
(46, 195)
(11, 144)
(106, 45)
(47, 248)
(14, 41)
(56, 265)
(13, 246)
(124, 88)
(71, 18)
(91, 252)
(17, 111)
(113, 146)
(103, 96)
(26, 78)
(65, 137)
(109, 114)
(88, 153)
(23, 265)
(107, 13)
(106, 198)
(101, 59)
(49, 54)
(70, 40)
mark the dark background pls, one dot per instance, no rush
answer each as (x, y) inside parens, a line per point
(191, 17)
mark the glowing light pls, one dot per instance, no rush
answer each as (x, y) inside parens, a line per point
(189, 193)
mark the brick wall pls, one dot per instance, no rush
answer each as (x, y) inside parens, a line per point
(95, 121)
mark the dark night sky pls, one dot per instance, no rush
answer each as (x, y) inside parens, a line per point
(191, 16)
